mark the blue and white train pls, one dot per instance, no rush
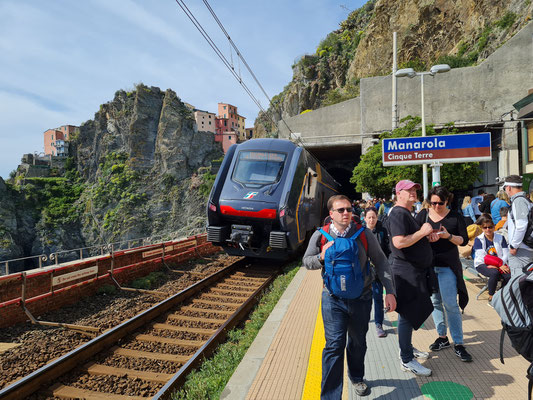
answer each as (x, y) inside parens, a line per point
(268, 198)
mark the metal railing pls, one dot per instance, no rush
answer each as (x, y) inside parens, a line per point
(44, 260)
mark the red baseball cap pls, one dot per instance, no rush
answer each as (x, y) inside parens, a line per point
(406, 185)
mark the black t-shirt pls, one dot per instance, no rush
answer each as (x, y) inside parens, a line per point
(446, 253)
(402, 223)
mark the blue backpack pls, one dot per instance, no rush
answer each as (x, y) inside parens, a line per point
(343, 275)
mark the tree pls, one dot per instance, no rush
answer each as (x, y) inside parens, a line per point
(371, 176)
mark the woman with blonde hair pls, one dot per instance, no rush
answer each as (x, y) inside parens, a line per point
(468, 211)
(502, 200)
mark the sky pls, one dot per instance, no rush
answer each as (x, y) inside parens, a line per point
(61, 59)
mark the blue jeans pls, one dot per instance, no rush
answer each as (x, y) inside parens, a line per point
(522, 258)
(405, 335)
(446, 299)
(343, 316)
(377, 294)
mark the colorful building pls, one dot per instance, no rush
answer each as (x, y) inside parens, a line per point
(56, 141)
(205, 121)
(249, 133)
(228, 138)
(228, 120)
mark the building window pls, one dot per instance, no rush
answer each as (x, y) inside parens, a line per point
(209, 122)
(224, 107)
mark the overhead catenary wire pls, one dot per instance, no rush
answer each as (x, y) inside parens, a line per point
(225, 61)
(241, 57)
(217, 51)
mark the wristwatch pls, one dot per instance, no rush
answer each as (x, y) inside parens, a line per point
(450, 237)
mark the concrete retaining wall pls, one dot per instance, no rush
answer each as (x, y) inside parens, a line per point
(470, 94)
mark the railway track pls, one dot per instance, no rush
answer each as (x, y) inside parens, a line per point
(150, 355)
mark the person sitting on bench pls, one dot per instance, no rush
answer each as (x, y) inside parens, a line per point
(491, 253)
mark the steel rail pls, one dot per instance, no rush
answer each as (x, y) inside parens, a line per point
(49, 372)
(210, 346)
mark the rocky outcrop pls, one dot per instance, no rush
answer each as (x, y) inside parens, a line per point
(459, 33)
(16, 224)
(135, 171)
(156, 129)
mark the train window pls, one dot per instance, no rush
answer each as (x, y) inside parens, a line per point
(258, 168)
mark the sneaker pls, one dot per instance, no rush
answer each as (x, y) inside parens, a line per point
(461, 352)
(415, 367)
(361, 388)
(439, 344)
(380, 331)
(422, 355)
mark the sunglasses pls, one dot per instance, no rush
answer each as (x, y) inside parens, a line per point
(342, 209)
(488, 227)
(437, 203)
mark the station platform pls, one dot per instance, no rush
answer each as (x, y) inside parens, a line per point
(284, 361)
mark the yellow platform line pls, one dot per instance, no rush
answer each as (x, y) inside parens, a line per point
(313, 378)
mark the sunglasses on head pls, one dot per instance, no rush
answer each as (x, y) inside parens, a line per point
(437, 203)
(342, 209)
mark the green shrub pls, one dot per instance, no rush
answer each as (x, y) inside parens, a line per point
(149, 281)
(507, 20)
(106, 289)
(416, 63)
(208, 180)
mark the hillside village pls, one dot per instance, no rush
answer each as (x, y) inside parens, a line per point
(227, 126)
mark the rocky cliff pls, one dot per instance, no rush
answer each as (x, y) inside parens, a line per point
(139, 168)
(459, 33)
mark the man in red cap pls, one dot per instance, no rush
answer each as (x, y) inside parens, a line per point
(411, 260)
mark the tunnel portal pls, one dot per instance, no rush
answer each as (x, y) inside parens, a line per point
(339, 161)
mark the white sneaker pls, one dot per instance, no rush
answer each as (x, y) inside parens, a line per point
(415, 367)
(423, 355)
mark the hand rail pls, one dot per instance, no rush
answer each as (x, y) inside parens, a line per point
(53, 258)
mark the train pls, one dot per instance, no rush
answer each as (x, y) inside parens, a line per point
(267, 199)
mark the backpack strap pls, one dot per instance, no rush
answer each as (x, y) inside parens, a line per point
(326, 234)
(502, 338)
(362, 236)
(323, 239)
(325, 230)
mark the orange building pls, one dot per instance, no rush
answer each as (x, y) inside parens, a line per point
(228, 138)
(228, 120)
(56, 141)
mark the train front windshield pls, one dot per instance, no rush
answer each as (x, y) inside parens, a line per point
(258, 168)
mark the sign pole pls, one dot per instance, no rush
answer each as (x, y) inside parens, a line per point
(435, 173)
(424, 166)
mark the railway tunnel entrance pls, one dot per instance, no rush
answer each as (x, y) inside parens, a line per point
(339, 161)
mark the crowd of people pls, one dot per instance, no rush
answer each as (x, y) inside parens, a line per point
(414, 248)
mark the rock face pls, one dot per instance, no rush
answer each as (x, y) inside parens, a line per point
(16, 225)
(137, 170)
(459, 33)
(154, 128)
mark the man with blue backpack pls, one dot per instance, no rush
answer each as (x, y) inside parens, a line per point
(342, 250)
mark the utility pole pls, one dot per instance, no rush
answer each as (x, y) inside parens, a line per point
(394, 90)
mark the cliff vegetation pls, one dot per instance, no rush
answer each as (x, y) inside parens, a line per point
(459, 33)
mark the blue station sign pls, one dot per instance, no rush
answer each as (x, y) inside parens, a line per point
(461, 148)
